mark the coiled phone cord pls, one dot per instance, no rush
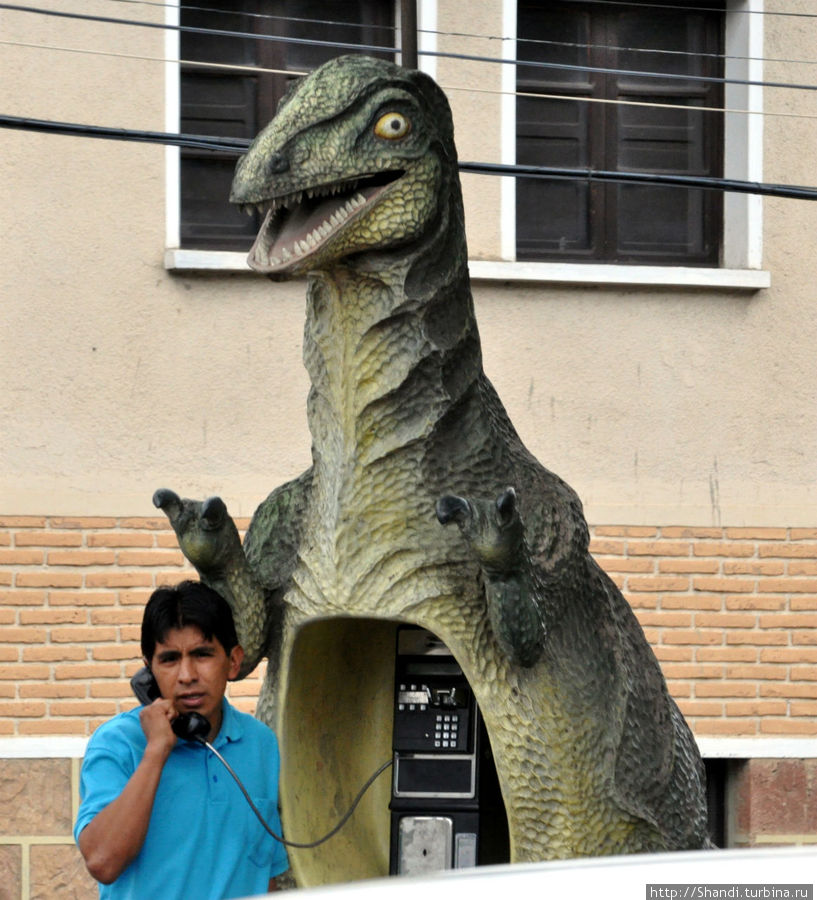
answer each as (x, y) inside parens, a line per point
(298, 844)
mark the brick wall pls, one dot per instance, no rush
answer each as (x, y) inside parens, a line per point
(731, 613)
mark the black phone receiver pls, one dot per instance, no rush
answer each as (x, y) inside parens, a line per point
(187, 726)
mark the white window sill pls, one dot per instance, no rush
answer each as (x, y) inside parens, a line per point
(529, 272)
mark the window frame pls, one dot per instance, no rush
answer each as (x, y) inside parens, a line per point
(742, 238)
(741, 268)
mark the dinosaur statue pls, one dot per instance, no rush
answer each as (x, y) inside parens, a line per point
(357, 178)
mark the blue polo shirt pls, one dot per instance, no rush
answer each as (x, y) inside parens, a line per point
(203, 841)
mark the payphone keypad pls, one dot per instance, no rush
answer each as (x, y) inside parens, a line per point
(430, 717)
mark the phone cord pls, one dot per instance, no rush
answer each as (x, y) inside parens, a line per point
(277, 837)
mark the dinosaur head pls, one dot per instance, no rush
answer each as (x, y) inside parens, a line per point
(360, 162)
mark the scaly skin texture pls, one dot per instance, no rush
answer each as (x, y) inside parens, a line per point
(593, 756)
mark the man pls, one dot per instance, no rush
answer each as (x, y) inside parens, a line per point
(160, 816)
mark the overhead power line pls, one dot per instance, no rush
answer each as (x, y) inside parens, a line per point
(237, 146)
(372, 48)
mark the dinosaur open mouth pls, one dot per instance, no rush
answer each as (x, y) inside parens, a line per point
(297, 225)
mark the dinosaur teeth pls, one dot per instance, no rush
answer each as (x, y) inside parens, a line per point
(285, 254)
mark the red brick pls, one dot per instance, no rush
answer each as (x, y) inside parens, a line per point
(87, 670)
(117, 651)
(801, 568)
(53, 653)
(696, 532)
(150, 558)
(607, 548)
(696, 601)
(49, 579)
(47, 539)
(671, 636)
(673, 654)
(157, 523)
(726, 654)
(697, 708)
(642, 601)
(790, 585)
(81, 558)
(788, 620)
(755, 602)
(726, 689)
(661, 584)
(690, 566)
(22, 708)
(724, 620)
(758, 638)
(757, 672)
(83, 708)
(693, 670)
(789, 655)
(757, 534)
(658, 548)
(724, 585)
(82, 598)
(40, 691)
(805, 636)
(756, 708)
(53, 726)
(23, 635)
(82, 635)
(723, 548)
(803, 534)
(731, 727)
(51, 616)
(21, 557)
(617, 564)
(790, 551)
(118, 579)
(806, 691)
(664, 619)
(802, 603)
(121, 539)
(803, 708)
(802, 727)
(753, 567)
(679, 689)
(803, 673)
(22, 521)
(107, 689)
(625, 531)
(116, 616)
(84, 523)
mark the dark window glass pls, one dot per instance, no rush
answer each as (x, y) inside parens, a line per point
(231, 103)
(577, 220)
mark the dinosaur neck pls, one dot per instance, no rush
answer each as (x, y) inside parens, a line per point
(390, 344)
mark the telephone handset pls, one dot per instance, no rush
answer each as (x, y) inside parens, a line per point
(188, 726)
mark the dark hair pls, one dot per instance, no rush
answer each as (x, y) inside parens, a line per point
(188, 603)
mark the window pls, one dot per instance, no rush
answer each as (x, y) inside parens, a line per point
(231, 103)
(565, 220)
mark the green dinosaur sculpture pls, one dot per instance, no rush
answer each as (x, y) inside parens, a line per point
(357, 175)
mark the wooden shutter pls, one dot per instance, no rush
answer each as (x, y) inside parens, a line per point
(622, 223)
(234, 104)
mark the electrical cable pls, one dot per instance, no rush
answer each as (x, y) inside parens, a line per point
(298, 844)
(237, 146)
(673, 76)
(467, 34)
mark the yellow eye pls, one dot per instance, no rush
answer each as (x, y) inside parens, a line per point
(392, 126)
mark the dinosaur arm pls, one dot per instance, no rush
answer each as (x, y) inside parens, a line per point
(208, 537)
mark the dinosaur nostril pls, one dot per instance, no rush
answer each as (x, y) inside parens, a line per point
(277, 163)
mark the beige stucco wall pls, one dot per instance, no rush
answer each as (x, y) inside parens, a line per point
(693, 407)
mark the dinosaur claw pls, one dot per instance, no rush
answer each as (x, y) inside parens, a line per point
(213, 513)
(166, 500)
(451, 508)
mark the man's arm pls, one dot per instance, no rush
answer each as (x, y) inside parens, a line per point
(111, 840)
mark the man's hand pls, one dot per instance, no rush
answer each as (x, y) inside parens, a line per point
(156, 722)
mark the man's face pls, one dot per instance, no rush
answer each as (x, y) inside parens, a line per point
(193, 672)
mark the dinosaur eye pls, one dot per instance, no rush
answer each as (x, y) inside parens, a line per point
(392, 126)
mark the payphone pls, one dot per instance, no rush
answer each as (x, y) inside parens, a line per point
(440, 793)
